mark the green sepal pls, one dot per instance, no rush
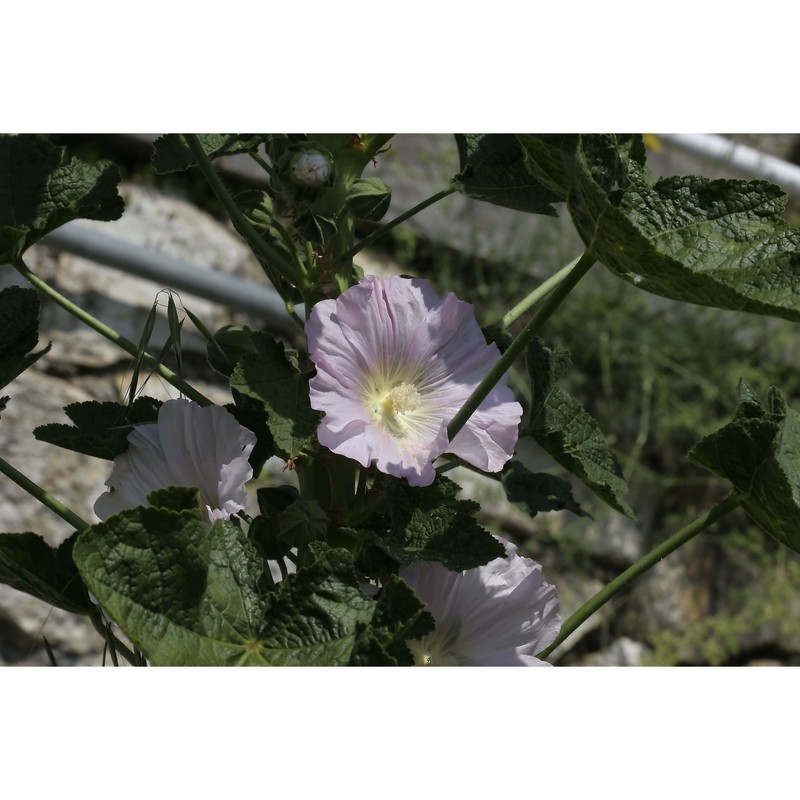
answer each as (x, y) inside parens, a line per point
(315, 227)
(759, 453)
(533, 492)
(562, 427)
(40, 191)
(19, 332)
(29, 564)
(171, 153)
(492, 169)
(271, 376)
(368, 198)
(101, 429)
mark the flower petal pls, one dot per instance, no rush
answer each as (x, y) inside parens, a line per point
(504, 612)
(381, 338)
(188, 446)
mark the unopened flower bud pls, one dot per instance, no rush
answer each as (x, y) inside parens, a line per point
(310, 168)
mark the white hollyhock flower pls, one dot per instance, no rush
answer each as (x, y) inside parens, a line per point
(188, 446)
(500, 614)
(394, 365)
(310, 169)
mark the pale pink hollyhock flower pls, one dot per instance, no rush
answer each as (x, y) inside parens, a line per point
(394, 365)
(188, 446)
(498, 615)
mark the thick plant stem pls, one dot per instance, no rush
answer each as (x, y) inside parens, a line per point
(538, 293)
(368, 240)
(110, 334)
(33, 489)
(256, 243)
(549, 305)
(640, 567)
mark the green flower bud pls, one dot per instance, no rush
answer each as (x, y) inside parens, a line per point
(368, 198)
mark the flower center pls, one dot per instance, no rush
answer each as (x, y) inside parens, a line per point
(394, 407)
(438, 649)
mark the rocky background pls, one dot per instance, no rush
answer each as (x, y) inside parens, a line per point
(727, 598)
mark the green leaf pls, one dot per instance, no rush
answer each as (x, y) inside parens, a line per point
(29, 564)
(19, 332)
(172, 154)
(182, 592)
(318, 612)
(719, 243)
(101, 429)
(39, 192)
(550, 157)
(228, 346)
(533, 492)
(187, 594)
(271, 376)
(759, 453)
(400, 616)
(430, 524)
(562, 427)
(492, 169)
(301, 522)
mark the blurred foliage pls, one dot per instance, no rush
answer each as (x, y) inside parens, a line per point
(762, 614)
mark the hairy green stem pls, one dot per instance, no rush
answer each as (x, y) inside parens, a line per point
(241, 223)
(640, 567)
(368, 240)
(110, 334)
(33, 489)
(548, 306)
(538, 293)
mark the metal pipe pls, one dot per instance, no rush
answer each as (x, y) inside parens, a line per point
(740, 157)
(173, 273)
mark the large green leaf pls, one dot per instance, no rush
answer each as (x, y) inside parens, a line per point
(29, 564)
(19, 332)
(492, 169)
(172, 154)
(101, 429)
(759, 453)
(271, 376)
(187, 594)
(39, 191)
(562, 427)
(720, 243)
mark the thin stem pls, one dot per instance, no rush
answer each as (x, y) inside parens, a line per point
(242, 224)
(268, 168)
(368, 240)
(114, 643)
(538, 293)
(110, 334)
(56, 506)
(549, 305)
(640, 567)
